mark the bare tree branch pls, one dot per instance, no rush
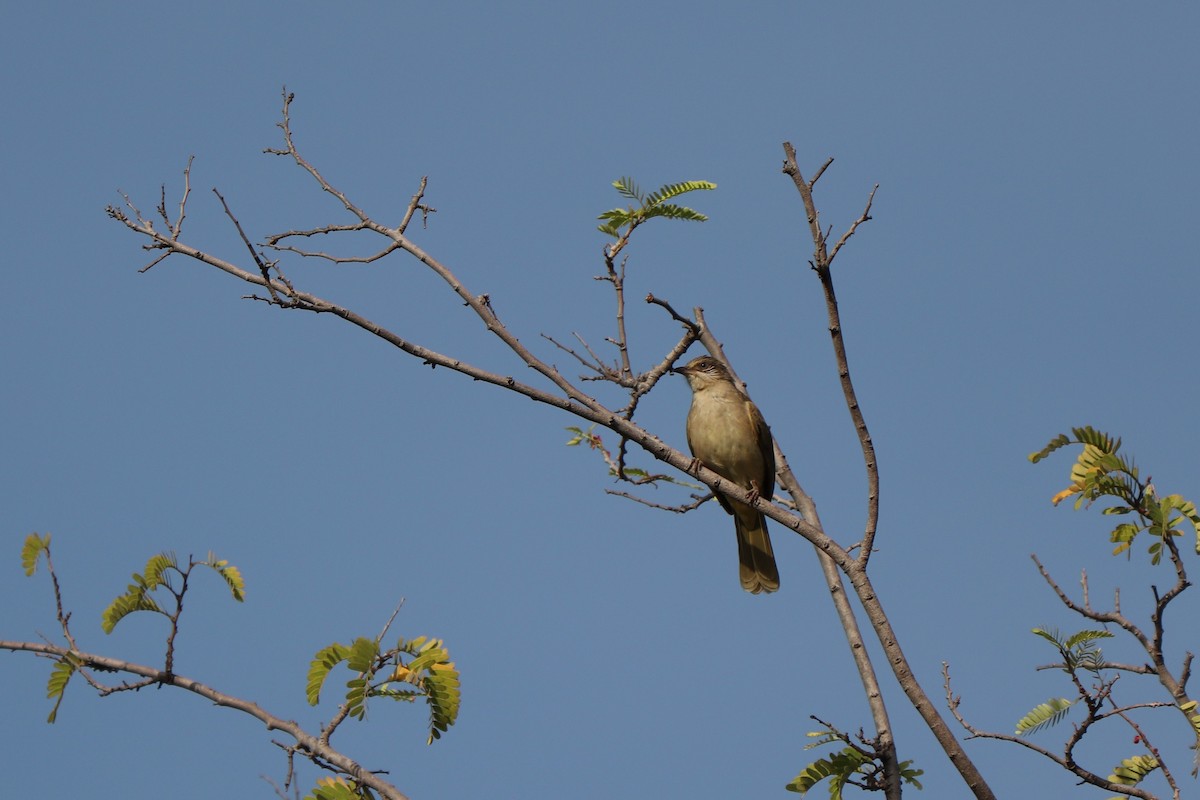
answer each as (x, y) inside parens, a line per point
(308, 745)
(821, 263)
(566, 395)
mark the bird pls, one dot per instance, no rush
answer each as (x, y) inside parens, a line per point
(727, 433)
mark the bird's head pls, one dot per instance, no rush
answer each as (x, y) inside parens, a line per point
(703, 372)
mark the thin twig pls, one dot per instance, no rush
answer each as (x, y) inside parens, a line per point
(676, 509)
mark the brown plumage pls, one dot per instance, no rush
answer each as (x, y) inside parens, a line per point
(727, 433)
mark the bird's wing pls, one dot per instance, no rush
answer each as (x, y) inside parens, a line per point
(766, 445)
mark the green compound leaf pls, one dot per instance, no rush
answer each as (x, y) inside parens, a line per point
(318, 670)
(156, 571)
(672, 190)
(838, 768)
(399, 695)
(627, 188)
(434, 673)
(134, 599)
(821, 738)
(671, 211)
(1044, 715)
(1131, 770)
(230, 574)
(444, 697)
(1085, 638)
(1057, 443)
(31, 550)
(60, 674)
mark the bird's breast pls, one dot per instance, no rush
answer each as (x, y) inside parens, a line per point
(721, 433)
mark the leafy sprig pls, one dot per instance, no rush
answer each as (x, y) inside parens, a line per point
(1101, 471)
(422, 663)
(650, 205)
(853, 765)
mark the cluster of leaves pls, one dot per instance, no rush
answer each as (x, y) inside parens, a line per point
(414, 668)
(1078, 651)
(428, 672)
(1101, 471)
(650, 205)
(163, 572)
(335, 787)
(853, 765)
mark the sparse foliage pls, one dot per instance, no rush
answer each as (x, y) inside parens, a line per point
(421, 667)
(164, 237)
(855, 764)
(422, 664)
(649, 206)
(1099, 473)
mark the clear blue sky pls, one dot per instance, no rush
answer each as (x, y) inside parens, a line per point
(1031, 266)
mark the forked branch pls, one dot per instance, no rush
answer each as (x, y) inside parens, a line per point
(821, 262)
(554, 389)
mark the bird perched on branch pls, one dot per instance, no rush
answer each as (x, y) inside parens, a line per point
(727, 433)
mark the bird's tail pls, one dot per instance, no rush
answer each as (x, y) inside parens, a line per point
(756, 558)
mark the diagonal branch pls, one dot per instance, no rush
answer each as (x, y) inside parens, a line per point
(574, 402)
(307, 744)
(821, 263)
(884, 739)
(565, 395)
